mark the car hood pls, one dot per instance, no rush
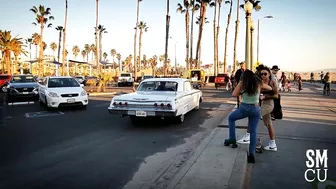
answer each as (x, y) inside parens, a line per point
(147, 96)
(65, 90)
(23, 85)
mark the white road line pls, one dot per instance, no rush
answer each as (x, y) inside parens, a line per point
(20, 103)
(42, 114)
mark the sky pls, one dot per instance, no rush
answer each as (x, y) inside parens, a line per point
(300, 37)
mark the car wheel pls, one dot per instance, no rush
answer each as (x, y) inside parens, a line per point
(180, 119)
(198, 105)
(84, 106)
(4, 88)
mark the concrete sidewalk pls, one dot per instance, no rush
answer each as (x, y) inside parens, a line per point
(309, 123)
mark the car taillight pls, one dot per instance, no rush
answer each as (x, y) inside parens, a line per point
(120, 103)
(155, 105)
(169, 106)
(162, 105)
(125, 103)
(114, 103)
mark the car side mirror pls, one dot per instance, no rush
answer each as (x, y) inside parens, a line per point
(81, 85)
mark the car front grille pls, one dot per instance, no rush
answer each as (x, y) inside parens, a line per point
(26, 89)
(69, 95)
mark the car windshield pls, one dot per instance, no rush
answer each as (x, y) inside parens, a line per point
(62, 82)
(23, 79)
(125, 75)
(147, 77)
(158, 86)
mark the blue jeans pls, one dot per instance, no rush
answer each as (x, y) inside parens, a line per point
(253, 113)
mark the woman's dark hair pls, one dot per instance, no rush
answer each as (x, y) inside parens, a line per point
(262, 67)
(250, 82)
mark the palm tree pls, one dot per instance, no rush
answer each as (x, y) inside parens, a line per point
(43, 15)
(135, 37)
(36, 41)
(195, 7)
(87, 49)
(154, 62)
(93, 51)
(200, 48)
(17, 50)
(227, 33)
(75, 52)
(113, 54)
(214, 4)
(143, 28)
(29, 42)
(9, 45)
(64, 36)
(83, 53)
(60, 30)
(119, 59)
(185, 10)
(100, 31)
(53, 47)
(105, 56)
(204, 4)
(96, 36)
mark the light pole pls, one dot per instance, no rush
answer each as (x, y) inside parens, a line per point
(252, 44)
(248, 6)
(259, 34)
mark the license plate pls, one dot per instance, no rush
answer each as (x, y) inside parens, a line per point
(24, 93)
(140, 113)
(71, 100)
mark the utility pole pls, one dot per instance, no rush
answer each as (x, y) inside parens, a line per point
(167, 38)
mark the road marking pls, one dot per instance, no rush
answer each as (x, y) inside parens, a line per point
(42, 114)
(20, 103)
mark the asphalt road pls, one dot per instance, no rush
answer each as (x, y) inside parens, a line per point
(90, 148)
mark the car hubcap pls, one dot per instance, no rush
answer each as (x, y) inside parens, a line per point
(4, 89)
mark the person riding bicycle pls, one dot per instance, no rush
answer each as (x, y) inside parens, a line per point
(327, 81)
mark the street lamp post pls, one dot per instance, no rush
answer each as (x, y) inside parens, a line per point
(259, 34)
(252, 44)
(248, 10)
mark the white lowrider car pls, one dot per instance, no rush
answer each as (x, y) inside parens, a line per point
(158, 97)
(60, 91)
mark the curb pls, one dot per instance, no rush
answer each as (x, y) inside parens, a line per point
(101, 94)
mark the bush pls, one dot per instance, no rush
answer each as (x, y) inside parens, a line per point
(104, 78)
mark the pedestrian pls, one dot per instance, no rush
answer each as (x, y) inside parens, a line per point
(321, 76)
(283, 81)
(327, 81)
(249, 88)
(299, 80)
(238, 76)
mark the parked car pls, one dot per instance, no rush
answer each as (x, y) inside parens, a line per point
(221, 80)
(22, 88)
(158, 97)
(125, 79)
(4, 80)
(80, 79)
(146, 77)
(60, 91)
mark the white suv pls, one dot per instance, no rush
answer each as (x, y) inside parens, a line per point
(125, 79)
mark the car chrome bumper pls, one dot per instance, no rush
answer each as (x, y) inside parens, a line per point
(149, 112)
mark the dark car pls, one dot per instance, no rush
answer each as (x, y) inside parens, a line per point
(4, 80)
(22, 88)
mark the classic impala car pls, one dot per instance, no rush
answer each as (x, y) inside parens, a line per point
(158, 97)
(58, 91)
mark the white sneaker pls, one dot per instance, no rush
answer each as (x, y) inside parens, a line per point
(245, 139)
(271, 147)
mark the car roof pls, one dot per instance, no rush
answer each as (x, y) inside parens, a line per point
(16, 75)
(168, 79)
(55, 77)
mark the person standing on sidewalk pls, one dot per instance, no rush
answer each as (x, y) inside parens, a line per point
(237, 77)
(327, 81)
(249, 88)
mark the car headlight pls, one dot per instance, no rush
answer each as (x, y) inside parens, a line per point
(52, 94)
(83, 93)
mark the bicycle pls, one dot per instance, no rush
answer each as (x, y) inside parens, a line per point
(326, 89)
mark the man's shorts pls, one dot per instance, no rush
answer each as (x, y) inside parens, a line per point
(267, 107)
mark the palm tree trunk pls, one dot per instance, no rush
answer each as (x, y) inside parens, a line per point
(226, 36)
(214, 38)
(96, 38)
(100, 49)
(64, 36)
(135, 39)
(59, 46)
(202, 11)
(8, 62)
(36, 51)
(41, 52)
(140, 45)
(187, 39)
(191, 37)
(217, 34)
(236, 38)
(167, 39)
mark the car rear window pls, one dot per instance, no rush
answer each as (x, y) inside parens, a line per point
(4, 77)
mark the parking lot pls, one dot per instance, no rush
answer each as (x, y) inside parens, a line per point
(89, 148)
